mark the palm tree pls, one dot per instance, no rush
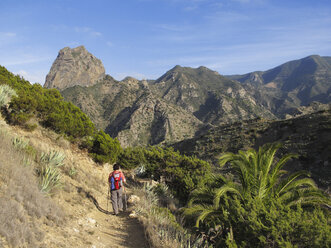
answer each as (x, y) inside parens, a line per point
(260, 177)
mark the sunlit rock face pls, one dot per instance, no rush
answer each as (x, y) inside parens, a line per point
(74, 67)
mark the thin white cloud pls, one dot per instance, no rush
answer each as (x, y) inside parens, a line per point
(250, 1)
(7, 37)
(87, 30)
(191, 8)
(177, 38)
(23, 59)
(73, 44)
(171, 27)
(7, 34)
(36, 77)
(241, 1)
(247, 57)
(110, 44)
(81, 30)
(226, 17)
(96, 34)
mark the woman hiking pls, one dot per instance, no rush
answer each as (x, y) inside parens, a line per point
(116, 180)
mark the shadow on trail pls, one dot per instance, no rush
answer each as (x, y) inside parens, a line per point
(92, 198)
(134, 235)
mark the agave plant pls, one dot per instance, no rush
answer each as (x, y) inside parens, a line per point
(50, 178)
(52, 158)
(20, 143)
(50, 175)
(6, 93)
(140, 171)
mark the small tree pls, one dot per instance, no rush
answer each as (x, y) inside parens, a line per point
(105, 149)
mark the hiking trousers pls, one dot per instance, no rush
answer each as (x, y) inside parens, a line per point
(116, 200)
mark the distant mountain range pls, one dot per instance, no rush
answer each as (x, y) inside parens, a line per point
(185, 101)
(286, 87)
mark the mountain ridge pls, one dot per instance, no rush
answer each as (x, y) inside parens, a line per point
(290, 85)
(197, 97)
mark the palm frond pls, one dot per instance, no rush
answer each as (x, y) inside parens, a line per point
(292, 182)
(219, 193)
(277, 171)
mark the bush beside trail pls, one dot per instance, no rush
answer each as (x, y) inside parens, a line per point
(181, 173)
(261, 205)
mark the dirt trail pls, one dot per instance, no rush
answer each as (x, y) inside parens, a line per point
(90, 227)
(119, 231)
(116, 231)
(83, 225)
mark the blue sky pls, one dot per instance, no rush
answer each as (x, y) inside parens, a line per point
(146, 38)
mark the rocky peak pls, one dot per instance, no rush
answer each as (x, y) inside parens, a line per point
(130, 80)
(72, 67)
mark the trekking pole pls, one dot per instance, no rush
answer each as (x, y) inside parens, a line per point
(107, 198)
(125, 200)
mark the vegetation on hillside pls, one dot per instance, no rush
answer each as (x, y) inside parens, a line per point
(32, 103)
(182, 173)
(24, 207)
(309, 136)
(260, 205)
(161, 226)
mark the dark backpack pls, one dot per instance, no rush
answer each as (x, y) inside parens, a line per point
(117, 180)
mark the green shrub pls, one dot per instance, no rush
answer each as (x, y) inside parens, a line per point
(261, 205)
(46, 105)
(51, 111)
(6, 93)
(105, 149)
(258, 225)
(132, 157)
(183, 174)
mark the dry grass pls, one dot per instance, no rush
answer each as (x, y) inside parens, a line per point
(161, 227)
(23, 206)
(29, 219)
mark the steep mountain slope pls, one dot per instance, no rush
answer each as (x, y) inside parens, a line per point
(209, 96)
(290, 85)
(74, 67)
(169, 109)
(129, 111)
(307, 135)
